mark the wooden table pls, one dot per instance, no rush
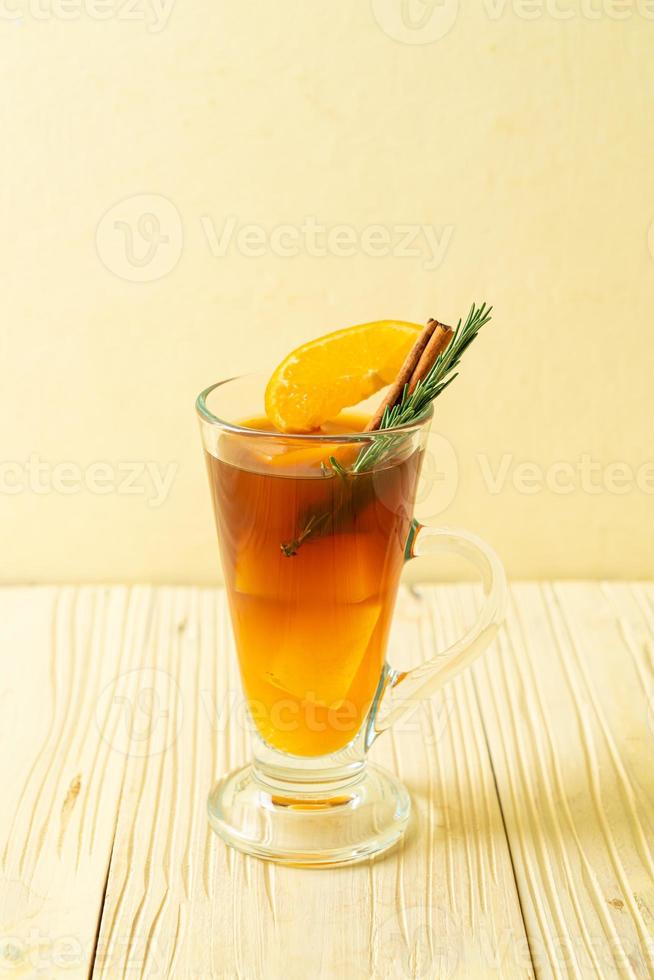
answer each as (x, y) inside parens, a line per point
(531, 846)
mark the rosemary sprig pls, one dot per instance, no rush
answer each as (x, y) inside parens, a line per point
(410, 409)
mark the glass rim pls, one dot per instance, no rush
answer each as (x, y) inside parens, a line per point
(316, 437)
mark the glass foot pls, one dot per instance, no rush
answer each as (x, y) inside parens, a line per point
(318, 825)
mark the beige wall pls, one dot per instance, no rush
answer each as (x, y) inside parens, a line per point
(522, 142)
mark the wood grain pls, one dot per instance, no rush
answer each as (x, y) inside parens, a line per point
(566, 702)
(172, 882)
(530, 851)
(61, 780)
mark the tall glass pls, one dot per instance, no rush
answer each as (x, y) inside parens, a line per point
(312, 555)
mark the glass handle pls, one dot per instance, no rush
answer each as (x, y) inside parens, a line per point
(402, 688)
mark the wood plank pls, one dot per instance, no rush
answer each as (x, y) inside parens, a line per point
(62, 649)
(566, 698)
(179, 903)
(125, 713)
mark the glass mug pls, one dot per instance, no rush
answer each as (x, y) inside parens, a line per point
(312, 557)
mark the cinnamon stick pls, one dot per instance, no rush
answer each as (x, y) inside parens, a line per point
(432, 341)
(439, 340)
(404, 377)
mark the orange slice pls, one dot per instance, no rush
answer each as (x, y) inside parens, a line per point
(318, 380)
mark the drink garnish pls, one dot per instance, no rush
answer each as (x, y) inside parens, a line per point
(424, 374)
(321, 378)
(432, 341)
(413, 405)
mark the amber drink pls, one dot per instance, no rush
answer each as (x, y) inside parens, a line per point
(314, 531)
(312, 560)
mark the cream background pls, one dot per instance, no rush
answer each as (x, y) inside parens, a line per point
(532, 139)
